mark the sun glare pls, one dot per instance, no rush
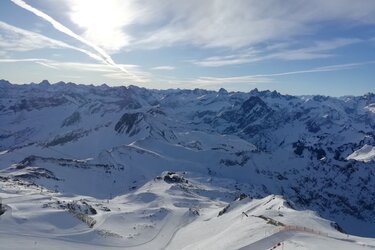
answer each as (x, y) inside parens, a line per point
(103, 21)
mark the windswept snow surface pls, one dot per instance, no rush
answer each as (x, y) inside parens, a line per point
(85, 167)
(162, 215)
(365, 154)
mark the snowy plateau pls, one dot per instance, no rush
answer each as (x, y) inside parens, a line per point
(98, 167)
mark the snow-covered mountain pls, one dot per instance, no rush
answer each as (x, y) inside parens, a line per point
(84, 166)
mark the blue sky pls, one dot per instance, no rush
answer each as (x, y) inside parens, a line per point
(292, 46)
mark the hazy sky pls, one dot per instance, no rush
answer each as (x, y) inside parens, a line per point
(293, 46)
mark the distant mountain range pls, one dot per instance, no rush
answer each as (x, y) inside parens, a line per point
(317, 152)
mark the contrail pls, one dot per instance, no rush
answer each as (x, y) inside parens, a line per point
(60, 27)
(33, 35)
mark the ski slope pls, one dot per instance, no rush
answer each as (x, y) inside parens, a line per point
(162, 215)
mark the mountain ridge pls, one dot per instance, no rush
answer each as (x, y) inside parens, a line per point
(309, 149)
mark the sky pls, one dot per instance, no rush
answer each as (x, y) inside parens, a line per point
(298, 47)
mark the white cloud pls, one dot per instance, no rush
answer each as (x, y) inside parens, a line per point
(328, 68)
(104, 71)
(13, 60)
(165, 67)
(108, 26)
(17, 39)
(205, 82)
(242, 23)
(217, 81)
(46, 65)
(319, 49)
(116, 24)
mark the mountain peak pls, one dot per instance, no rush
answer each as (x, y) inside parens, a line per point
(5, 83)
(44, 83)
(223, 91)
(252, 102)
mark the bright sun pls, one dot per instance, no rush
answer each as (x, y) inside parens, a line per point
(103, 21)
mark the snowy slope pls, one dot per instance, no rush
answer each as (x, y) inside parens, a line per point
(166, 215)
(67, 150)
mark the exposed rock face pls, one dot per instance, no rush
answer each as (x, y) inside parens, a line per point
(128, 123)
(72, 119)
(172, 177)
